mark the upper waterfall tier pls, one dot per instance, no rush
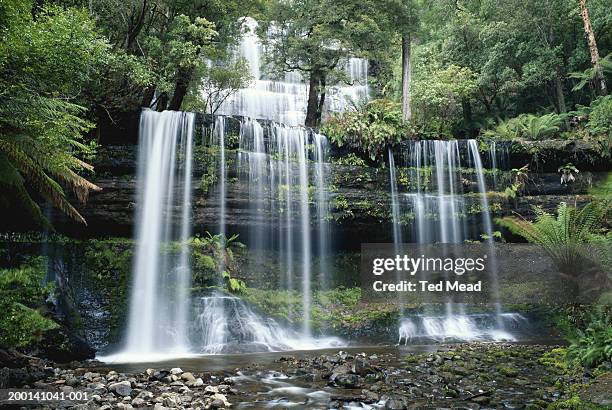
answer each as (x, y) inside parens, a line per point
(285, 100)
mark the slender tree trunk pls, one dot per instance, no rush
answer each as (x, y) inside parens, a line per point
(467, 115)
(183, 77)
(588, 29)
(406, 77)
(312, 109)
(147, 97)
(162, 102)
(560, 97)
(322, 84)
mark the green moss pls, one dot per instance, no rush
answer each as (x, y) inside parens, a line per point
(573, 403)
(508, 371)
(604, 189)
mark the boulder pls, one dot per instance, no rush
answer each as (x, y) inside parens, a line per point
(123, 388)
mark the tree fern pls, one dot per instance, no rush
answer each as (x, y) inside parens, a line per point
(44, 67)
(569, 238)
(536, 127)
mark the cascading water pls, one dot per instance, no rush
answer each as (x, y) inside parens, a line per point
(159, 302)
(279, 175)
(434, 200)
(285, 100)
(498, 158)
(273, 161)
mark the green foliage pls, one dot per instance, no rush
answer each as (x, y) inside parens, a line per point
(567, 237)
(316, 38)
(369, 129)
(350, 159)
(593, 345)
(600, 118)
(528, 126)
(535, 128)
(45, 64)
(213, 261)
(233, 285)
(220, 81)
(439, 94)
(589, 75)
(348, 297)
(108, 259)
(21, 293)
(519, 181)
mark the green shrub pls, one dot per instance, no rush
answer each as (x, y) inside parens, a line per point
(21, 293)
(593, 345)
(350, 159)
(600, 119)
(213, 261)
(369, 129)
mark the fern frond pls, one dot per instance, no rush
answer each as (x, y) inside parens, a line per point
(47, 187)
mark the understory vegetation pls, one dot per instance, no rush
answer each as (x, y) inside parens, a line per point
(22, 299)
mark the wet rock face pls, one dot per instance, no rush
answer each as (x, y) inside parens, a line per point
(363, 190)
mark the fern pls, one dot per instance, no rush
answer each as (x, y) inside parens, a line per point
(593, 345)
(534, 127)
(570, 238)
(589, 75)
(38, 139)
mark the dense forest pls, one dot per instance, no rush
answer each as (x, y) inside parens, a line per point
(447, 69)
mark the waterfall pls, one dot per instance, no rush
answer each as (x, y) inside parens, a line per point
(435, 208)
(272, 171)
(322, 204)
(159, 300)
(276, 165)
(284, 100)
(227, 324)
(499, 154)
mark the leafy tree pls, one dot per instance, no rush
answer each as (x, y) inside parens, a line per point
(440, 94)
(315, 38)
(221, 81)
(45, 65)
(169, 41)
(519, 51)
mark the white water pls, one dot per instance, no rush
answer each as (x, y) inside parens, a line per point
(498, 158)
(279, 175)
(273, 164)
(436, 204)
(227, 324)
(285, 100)
(159, 301)
(448, 328)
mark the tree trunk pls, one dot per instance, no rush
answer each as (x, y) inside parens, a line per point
(183, 77)
(147, 97)
(162, 102)
(560, 97)
(467, 115)
(322, 84)
(406, 77)
(588, 29)
(312, 109)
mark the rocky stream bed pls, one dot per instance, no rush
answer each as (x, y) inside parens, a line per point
(463, 376)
